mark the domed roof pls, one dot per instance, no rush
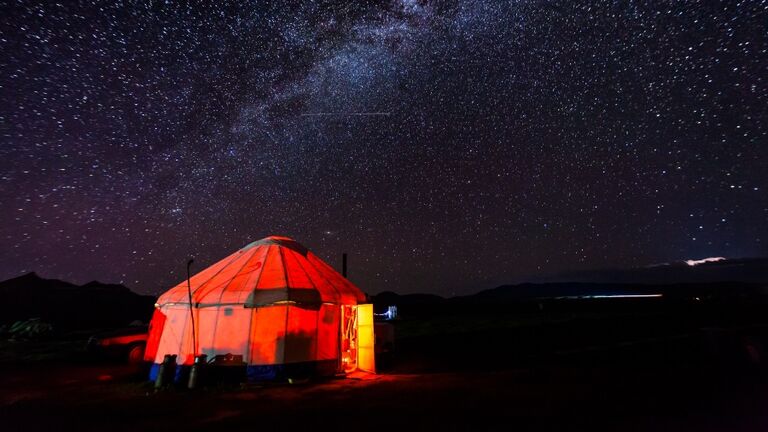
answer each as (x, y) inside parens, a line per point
(272, 270)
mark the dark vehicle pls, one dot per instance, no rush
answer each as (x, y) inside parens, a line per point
(124, 344)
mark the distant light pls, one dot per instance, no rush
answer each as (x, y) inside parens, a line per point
(607, 296)
(705, 260)
(390, 314)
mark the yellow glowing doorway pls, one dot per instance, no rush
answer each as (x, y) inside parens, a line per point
(357, 339)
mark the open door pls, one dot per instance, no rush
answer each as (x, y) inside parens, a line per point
(366, 354)
(348, 345)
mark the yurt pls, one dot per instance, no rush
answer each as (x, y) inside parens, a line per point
(272, 303)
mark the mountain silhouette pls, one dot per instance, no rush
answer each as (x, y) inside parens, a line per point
(70, 306)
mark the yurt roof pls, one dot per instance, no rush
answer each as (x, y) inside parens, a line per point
(273, 270)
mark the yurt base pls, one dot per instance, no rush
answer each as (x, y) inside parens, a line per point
(235, 374)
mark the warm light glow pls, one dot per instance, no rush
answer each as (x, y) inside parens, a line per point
(272, 302)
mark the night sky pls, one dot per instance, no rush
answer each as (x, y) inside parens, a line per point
(446, 146)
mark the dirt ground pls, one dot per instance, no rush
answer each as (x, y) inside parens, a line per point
(606, 376)
(580, 397)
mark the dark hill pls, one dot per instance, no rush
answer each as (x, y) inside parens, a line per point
(528, 296)
(724, 280)
(70, 306)
(408, 303)
(749, 270)
(530, 291)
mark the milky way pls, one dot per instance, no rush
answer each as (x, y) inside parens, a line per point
(446, 146)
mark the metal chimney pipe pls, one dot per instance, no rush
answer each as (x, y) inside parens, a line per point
(344, 264)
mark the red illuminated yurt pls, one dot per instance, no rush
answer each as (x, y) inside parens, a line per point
(272, 302)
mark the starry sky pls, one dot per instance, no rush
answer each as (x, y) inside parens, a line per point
(447, 146)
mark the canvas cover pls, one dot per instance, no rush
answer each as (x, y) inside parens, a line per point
(273, 302)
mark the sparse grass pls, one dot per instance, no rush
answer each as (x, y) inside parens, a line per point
(458, 324)
(50, 350)
(452, 324)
